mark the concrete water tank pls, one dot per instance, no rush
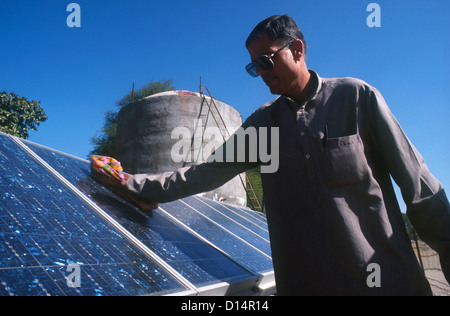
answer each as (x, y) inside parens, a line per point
(145, 143)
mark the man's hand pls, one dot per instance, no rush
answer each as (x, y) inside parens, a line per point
(139, 202)
(109, 173)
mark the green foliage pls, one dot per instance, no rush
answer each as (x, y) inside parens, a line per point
(153, 87)
(105, 144)
(255, 178)
(19, 115)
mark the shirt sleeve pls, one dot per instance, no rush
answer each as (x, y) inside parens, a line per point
(427, 204)
(183, 182)
(197, 178)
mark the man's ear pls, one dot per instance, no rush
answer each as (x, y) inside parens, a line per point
(298, 49)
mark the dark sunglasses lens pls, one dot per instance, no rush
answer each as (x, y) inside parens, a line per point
(264, 62)
(251, 69)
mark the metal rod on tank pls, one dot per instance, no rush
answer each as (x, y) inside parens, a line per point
(418, 250)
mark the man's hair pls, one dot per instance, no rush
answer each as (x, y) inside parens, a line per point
(279, 28)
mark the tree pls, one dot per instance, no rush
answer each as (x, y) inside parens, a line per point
(19, 115)
(153, 87)
(105, 144)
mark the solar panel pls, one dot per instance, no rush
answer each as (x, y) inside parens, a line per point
(45, 227)
(196, 260)
(236, 220)
(257, 220)
(58, 216)
(234, 245)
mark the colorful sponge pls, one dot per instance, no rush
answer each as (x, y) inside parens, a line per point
(109, 172)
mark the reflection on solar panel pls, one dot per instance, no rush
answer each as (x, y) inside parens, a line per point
(54, 219)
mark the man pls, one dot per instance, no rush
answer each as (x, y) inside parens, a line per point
(332, 212)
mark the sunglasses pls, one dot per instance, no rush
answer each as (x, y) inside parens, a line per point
(265, 62)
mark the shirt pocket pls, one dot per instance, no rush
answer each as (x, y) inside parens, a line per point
(344, 161)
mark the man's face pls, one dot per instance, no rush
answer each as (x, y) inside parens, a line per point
(282, 77)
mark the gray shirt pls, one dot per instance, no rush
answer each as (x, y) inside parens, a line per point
(331, 207)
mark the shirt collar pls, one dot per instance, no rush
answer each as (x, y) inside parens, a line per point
(318, 85)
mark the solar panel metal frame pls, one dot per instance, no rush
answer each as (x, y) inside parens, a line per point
(263, 281)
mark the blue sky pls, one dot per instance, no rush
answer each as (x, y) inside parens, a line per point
(79, 73)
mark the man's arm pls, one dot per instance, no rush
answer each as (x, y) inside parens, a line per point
(427, 205)
(228, 161)
(186, 181)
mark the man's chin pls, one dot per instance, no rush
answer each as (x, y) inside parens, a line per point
(273, 88)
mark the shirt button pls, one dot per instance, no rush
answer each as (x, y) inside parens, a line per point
(302, 133)
(308, 156)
